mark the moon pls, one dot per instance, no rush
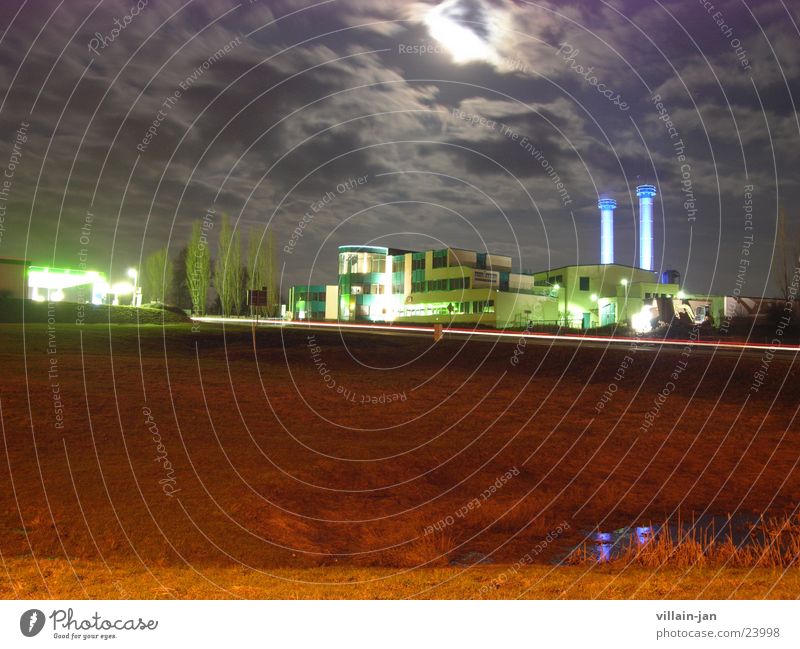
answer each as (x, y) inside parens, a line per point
(463, 29)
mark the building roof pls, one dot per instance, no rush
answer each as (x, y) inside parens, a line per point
(551, 270)
(380, 250)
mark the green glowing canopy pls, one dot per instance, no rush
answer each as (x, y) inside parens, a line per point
(61, 278)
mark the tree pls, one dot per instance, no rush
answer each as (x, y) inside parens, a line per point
(157, 276)
(261, 266)
(180, 295)
(273, 297)
(236, 272)
(198, 268)
(789, 257)
(228, 268)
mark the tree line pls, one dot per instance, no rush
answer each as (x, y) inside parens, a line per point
(187, 279)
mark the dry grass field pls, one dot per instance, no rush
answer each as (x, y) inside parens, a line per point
(161, 462)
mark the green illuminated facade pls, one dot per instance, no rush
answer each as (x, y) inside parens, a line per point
(379, 284)
(596, 295)
(457, 286)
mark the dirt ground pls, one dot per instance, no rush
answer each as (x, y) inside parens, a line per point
(172, 452)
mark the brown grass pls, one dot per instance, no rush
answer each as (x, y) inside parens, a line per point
(279, 473)
(90, 580)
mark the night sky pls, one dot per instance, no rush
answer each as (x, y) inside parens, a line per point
(456, 115)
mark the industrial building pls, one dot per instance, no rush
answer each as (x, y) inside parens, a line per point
(451, 285)
(458, 286)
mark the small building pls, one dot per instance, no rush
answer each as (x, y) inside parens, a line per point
(14, 278)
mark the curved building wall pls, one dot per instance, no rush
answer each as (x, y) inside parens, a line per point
(364, 283)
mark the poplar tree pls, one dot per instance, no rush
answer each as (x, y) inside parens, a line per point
(198, 269)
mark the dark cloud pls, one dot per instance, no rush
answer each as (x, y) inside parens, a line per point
(306, 97)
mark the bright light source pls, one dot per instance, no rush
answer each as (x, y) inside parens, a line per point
(60, 278)
(641, 322)
(556, 287)
(122, 288)
(624, 282)
(681, 295)
(594, 297)
(463, 44)
(132, 273)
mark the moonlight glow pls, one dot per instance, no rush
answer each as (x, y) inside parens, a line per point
(463, 43)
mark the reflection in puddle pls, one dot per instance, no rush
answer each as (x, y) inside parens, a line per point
(609, 545)
(602, 547)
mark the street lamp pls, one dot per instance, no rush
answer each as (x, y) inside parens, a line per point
(624, 282)
(134, 275)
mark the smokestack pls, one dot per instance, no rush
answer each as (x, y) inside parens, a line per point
(646, 193)
(607, 207)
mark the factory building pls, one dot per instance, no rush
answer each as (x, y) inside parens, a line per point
(604, 294)
(452, 285)
(458, 286)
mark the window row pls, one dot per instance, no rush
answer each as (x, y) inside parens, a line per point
(312, 296)
(457, 284)
(451, 308)
(367, 289)
(439, 259)
(361, 262)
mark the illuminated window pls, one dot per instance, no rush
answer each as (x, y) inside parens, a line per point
(376, 263)
(483, 306)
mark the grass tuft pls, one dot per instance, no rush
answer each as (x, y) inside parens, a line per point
(771, 543)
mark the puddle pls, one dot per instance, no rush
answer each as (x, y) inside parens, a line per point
(605, 546)
(470, 559)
